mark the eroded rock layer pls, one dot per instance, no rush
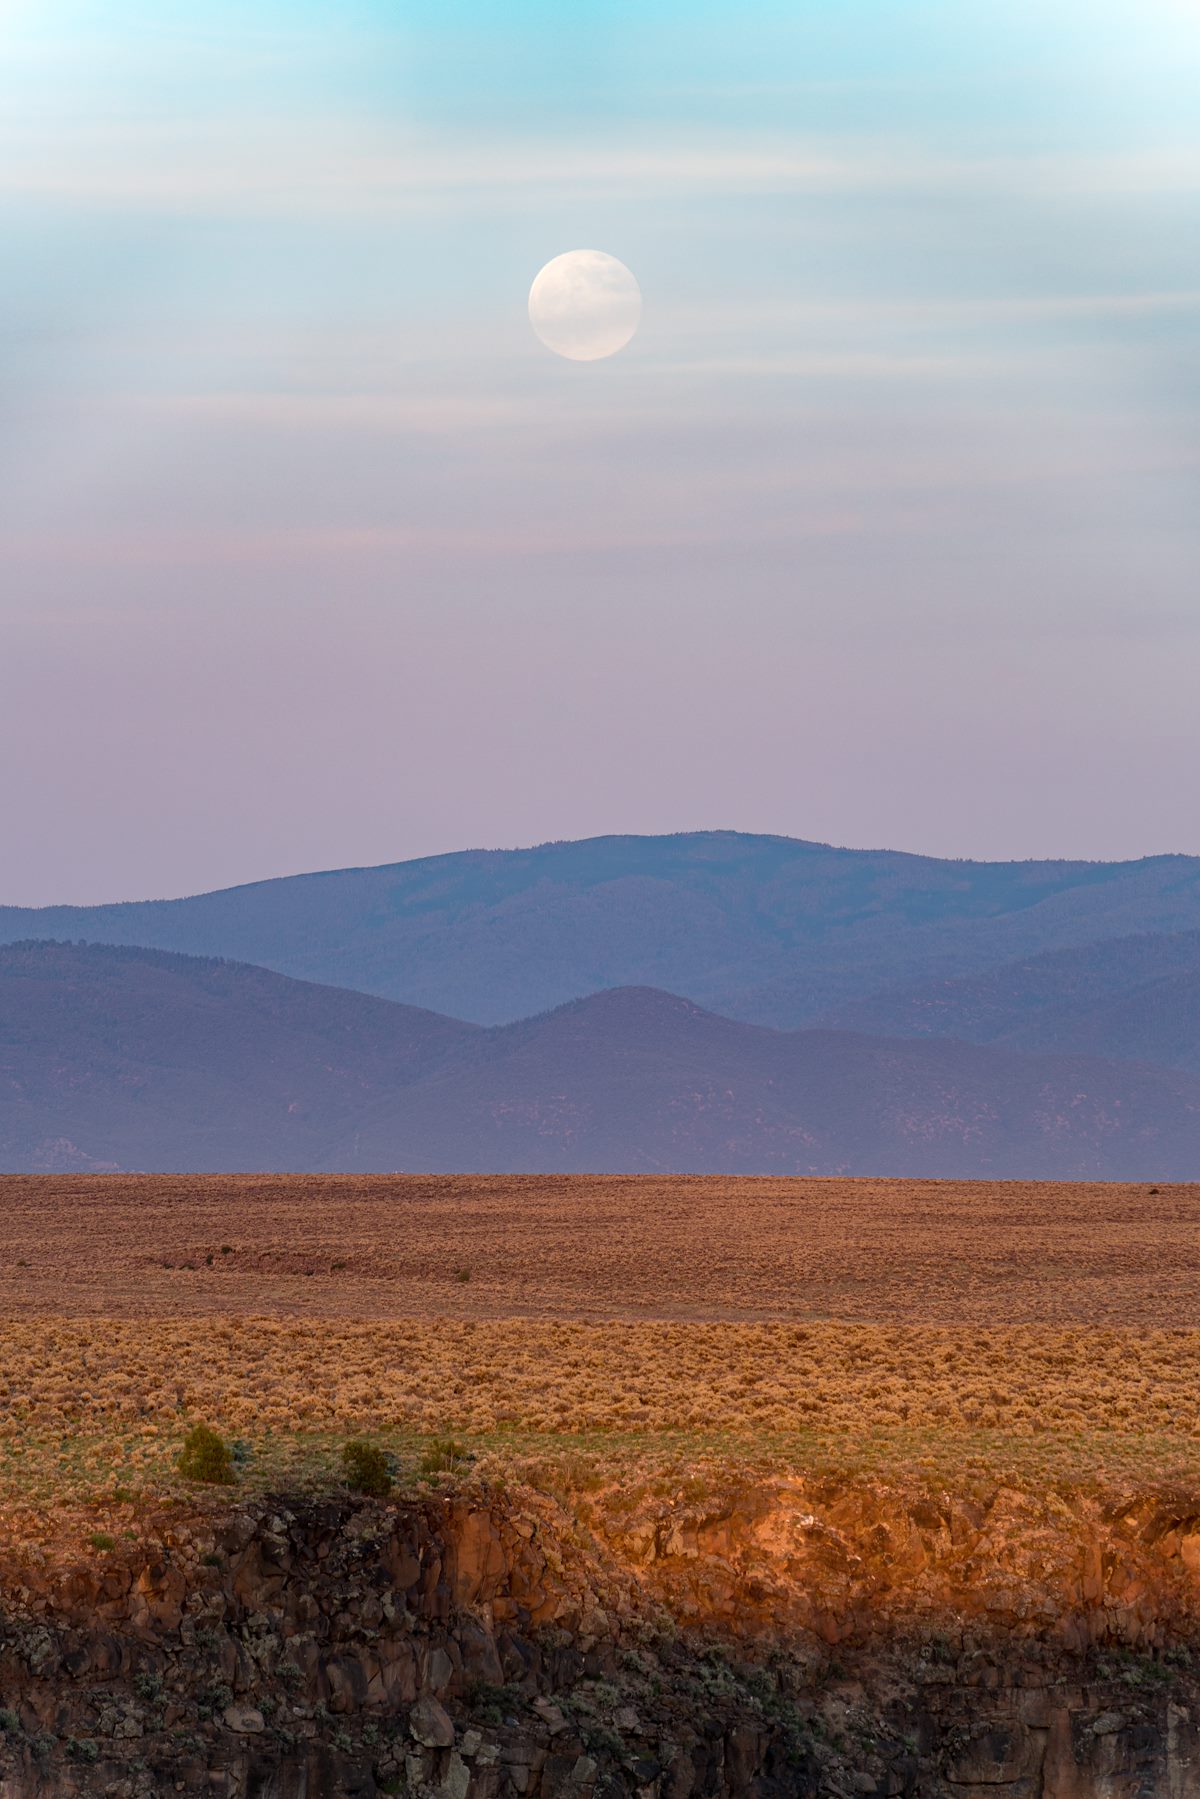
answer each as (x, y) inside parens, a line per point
(805, 1638)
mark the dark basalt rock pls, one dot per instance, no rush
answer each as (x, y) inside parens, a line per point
(476, 1648)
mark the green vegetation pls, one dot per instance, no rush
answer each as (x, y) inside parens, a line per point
(491, 1704)
(367, 1469)
(445, 1455)
(206, 1456)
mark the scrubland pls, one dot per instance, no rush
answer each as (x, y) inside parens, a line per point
(474, 1247)
(592, 1330)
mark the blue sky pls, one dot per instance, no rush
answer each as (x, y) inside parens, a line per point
(883, 530)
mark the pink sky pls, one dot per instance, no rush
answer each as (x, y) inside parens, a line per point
(882, 531)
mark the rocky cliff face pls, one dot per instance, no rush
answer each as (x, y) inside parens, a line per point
(809, 1639)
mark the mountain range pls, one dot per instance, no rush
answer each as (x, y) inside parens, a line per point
(706, 1002)
(116, 1058)
(767, 929)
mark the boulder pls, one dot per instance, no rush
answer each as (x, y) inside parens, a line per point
(245, 1719)
(430, 1724)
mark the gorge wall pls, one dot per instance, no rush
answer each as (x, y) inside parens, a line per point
(809, 1638)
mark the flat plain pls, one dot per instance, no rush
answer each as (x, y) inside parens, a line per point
(605, 1247)
(597, 1325)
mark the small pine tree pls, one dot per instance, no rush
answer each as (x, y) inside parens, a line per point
(205, 1456)
(366, 1469)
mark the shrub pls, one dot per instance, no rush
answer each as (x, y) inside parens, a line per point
(205, 1456)
(600, 1740)
(366, 1468)
(491, 1705)
(100, 1539)
(445, 1455)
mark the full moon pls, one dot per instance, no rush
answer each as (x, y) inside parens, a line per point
(585, 305)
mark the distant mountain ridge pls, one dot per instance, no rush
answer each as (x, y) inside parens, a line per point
(771, 930)
(140, 1059)
(1129, 998)
(115, 1057)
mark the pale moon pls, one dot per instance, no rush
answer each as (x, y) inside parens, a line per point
(585, 305)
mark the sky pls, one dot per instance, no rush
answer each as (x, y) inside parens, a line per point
(884, 530)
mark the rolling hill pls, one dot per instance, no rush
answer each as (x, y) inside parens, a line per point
(1130, 998)
(135, 1059)
(768, 929)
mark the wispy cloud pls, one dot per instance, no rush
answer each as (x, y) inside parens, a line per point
(916, 369)
(332, 165)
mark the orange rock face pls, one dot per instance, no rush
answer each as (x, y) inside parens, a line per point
(802, 1637)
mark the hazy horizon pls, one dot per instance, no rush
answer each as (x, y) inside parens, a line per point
(883, 528)
(254, 880)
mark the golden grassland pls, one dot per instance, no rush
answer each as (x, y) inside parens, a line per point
(581, 1330)
(915, 1252)
(1071, 1400)
(275, 1375)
